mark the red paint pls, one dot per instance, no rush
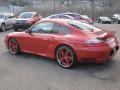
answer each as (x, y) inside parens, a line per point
(46, 44)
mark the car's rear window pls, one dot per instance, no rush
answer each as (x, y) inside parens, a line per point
(75, 16)
(105, 18)
(82, 26)
(85, 16)
(26, 15)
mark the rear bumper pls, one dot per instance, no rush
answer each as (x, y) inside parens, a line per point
(96, 54)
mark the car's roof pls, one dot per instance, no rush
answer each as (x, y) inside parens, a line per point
(70, 13)
(28, 12)
(56, 20)
(52, 15)
(58, 14)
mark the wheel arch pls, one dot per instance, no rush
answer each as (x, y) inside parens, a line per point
(70, 46)
(15, 40)
(3, 23)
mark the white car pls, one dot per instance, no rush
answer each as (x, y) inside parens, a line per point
(6, 21)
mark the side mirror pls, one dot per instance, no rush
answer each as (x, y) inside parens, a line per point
(28, 31)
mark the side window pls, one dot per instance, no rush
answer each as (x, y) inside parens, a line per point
(65, 17)
(45, 27)
(9, 17)
(53, 17)
(60, 29)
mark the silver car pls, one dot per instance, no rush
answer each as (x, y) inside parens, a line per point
(6, 21)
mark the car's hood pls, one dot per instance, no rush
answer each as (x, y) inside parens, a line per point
(23, 18)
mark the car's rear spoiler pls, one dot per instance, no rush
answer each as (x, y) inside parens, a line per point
(106, 35)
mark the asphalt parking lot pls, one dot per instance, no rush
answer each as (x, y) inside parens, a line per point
(31, 72)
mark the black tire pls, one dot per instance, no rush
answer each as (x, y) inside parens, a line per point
(98, 21)
(118, 22)
(68, 53)
(3, 27)
(13, 46)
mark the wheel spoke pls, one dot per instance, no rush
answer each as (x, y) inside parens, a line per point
(62, 53)
(13, 46)
(67, 52)
(65, 57)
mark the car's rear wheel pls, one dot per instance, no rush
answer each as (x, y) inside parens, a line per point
(3, 27)
(13, 46)
(66, 57)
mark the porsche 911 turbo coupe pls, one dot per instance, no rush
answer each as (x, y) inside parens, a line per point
(67, 41)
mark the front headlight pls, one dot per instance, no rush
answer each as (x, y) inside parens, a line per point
(93, 41)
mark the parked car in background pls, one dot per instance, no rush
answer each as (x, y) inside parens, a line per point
(104, 20)
(67, 41)
(116, 18)
(79, 17)
(62, 16)
(6, 21)
(25, 20)
(86, 18)
(59, 16)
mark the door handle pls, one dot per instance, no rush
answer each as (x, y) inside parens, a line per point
(51, 38)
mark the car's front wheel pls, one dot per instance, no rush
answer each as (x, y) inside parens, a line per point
(66, 57)
(13, 46)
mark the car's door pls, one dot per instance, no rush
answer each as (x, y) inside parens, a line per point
(6, 21)
(38, 40)
(9, 20)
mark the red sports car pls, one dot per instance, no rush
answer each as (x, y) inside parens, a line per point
(67, 41)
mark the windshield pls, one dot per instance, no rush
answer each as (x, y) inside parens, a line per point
(82, 26)
(76, 16)
(85, 16)
(2, 16)
(105, 18)
(26, 15)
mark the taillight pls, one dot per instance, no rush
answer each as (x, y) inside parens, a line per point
(94, 42)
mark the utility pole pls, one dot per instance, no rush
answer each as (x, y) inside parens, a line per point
(93, 9)
(12, 6)
(103, 7)
(54, 7)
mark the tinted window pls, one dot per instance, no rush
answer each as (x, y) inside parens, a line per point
(82, 26)
(26, 15)
(45, 27)
(62, 16)
(85, 16)
(60, 29)
(53, 17)
(75, 16)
